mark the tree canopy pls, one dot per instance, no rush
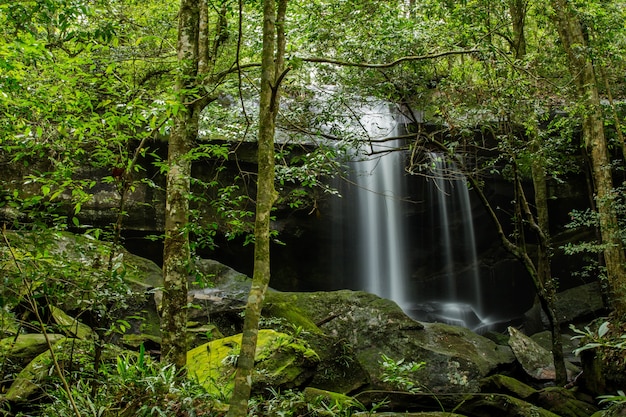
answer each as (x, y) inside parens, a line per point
(92, 90)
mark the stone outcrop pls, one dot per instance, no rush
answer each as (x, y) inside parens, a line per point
(455, 357)
(281, 362)
(69, 353)
(320, 341)
(536, 361)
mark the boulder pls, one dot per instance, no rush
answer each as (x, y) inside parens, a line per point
(69, 353)
(536, 361)
(24, 348)
(281, 362)
(562, 402)
(468, 404)
(555, 399)
(339, 370)
(579, 303)
(76, 268)
(455, 357)
(502, 384)
(70, 326)
(490, 405)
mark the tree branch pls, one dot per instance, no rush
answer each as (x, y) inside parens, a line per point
(398, 61)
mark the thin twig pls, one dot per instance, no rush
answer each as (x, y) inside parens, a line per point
(33, 306)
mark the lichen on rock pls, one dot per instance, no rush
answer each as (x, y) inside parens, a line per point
(281, 361)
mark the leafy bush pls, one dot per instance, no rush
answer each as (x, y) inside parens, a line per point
(398, 373)
(136, 386)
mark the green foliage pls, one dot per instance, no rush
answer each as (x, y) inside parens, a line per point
(292, 403)
(599, 338)
(400, 373)
(137, 386)
(620, 398)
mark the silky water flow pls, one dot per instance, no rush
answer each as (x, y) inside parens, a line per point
(376, 256)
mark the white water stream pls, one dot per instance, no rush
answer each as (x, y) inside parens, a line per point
(381, 237)
(381, 245)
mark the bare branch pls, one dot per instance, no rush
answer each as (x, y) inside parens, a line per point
(388, 64)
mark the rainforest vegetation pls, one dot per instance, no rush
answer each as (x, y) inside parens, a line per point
(531, 90)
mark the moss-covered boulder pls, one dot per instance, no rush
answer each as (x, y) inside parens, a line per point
(558, 400)
(562, 402)
(455, 357)
(75, 269)
(20, 350)
(490, 405)
(339, 369)
(503, 384)
(70, 326)
(70, 354)
(281, 362)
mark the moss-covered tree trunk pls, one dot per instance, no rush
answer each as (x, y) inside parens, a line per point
(176, 249)
(582, 69)
(272, 70)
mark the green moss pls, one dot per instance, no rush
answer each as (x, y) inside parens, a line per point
(503, 384)
(278, 305)
(70, 353)
(26, 347)
(70, 326)
(279, 359)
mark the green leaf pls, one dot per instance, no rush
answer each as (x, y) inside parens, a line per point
(603, 329)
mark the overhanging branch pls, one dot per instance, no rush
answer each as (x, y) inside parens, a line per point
(398, 61)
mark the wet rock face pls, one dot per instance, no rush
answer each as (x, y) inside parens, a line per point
(455, 357)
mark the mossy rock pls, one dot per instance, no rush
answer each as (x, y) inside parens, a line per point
(281, 362)
(562, 402)
(198, 334)
(329, 397)
(278, 305)
(456, 358)
(70, 326)
(24, 348)
(489, 405)
(502, 384)
(71, 354)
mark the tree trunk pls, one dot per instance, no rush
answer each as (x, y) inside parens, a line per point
(544, 282)
(272, 63)
(544, 270)
(582, 69)
(176, 246)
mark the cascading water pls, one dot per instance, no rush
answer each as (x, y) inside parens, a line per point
(414, 245)
(372, 212)
(380, 236)
(461, 301)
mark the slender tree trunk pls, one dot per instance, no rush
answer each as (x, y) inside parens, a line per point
(544, 270)
(176, 248)
(272, 63)
(544, 282)
(582, 69)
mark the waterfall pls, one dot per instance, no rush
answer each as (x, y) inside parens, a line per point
(380, 235)
(422, 256)
(461, 302)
